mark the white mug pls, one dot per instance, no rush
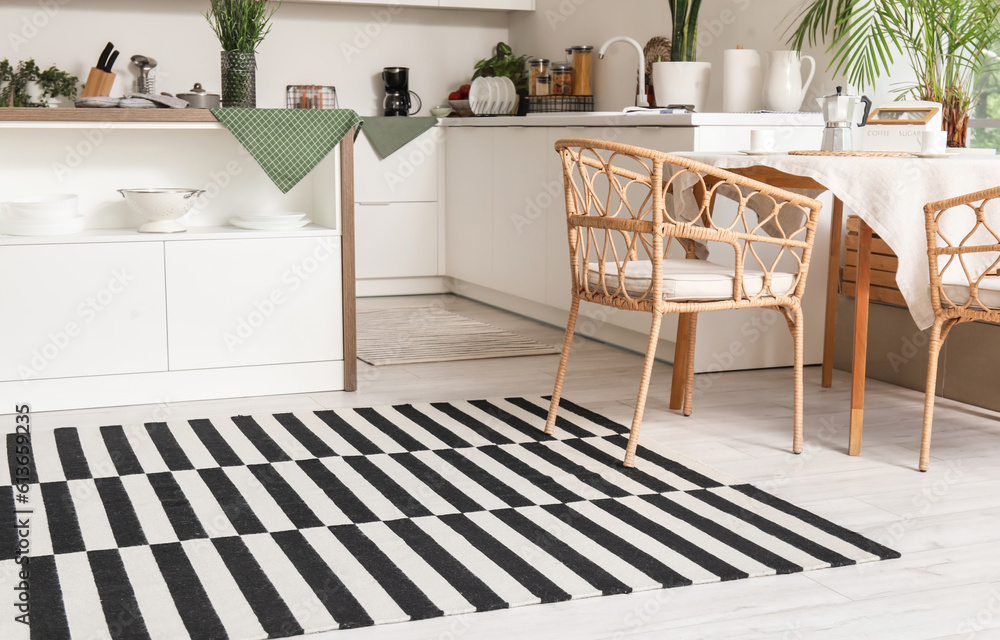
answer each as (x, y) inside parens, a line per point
(934, 142)
(761, 140)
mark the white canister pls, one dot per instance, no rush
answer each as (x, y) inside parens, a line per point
(742, 81)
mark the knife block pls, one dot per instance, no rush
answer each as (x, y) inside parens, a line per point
(99, 83)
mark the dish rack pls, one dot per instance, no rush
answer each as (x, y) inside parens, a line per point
(310, 96)
(554, 104)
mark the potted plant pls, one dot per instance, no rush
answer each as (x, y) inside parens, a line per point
(682, 80)
(53, 83)
(240, 26)
(949, 45)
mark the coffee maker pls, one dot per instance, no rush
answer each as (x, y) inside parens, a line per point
(397, 92)
(838, 111)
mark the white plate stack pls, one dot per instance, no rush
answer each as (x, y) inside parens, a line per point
(271, 221)
(492, 96)
(53, 215)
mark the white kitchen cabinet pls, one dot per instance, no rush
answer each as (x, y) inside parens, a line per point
(494, 165)
(133, 318)
(397, 238)
(522, 201)
(469, 199)
(234, 303)
(85, 309)
(496, 5)
(399, 217)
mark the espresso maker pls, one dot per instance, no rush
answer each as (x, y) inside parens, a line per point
(838, 111)
(397, 92)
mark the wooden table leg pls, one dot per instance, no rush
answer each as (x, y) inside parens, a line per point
(347, 261)
(678, 379)
(832, 289)
(860, 338)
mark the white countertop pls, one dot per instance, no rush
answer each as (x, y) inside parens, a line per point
(618, 119)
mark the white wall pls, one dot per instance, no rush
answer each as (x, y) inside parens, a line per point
(343, 45)
(756, 24)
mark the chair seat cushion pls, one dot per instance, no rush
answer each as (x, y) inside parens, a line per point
(958, 293)
(687, 279)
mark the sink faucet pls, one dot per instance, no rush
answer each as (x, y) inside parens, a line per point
(640, 98)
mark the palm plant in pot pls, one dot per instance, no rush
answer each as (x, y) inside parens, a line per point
(949, 44)
(682, 80)
(240, 26)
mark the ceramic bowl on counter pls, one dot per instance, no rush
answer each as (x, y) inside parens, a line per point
(161, 207)
(441, 111)
(60, 206)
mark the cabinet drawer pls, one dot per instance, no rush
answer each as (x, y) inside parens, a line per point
(398, 240)
(81, 310)
(409, 175)
(250, 302)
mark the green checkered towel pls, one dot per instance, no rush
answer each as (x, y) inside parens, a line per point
(388, 134)
(288, 143)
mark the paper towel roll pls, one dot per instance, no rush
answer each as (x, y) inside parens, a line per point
(742, 83)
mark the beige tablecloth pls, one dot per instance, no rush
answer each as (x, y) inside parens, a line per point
(889, 194)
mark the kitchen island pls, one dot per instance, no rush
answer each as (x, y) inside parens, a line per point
(110, 316)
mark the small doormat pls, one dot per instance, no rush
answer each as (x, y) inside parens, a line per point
(272, 526)
(429, 334)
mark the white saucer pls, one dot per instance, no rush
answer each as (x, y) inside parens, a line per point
(273, 216)
(269, 225)
(935, 155)
(764, 153)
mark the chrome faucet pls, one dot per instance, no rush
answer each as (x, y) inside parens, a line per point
(640, 97)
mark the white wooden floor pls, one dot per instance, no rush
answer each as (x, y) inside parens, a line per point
(945, 522)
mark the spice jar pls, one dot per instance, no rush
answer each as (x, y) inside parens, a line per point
(536, 67)
(583, 57)
(562, 78)
(543, 85)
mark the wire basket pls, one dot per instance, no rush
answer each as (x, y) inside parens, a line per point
(310, 96)
(555, 104)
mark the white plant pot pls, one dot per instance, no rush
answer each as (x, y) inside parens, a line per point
(682, 83)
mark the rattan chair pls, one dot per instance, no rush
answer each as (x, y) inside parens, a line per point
(963, 253)
(641, 224)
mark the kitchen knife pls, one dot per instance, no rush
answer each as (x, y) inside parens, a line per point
(103, 60)
(111, 61)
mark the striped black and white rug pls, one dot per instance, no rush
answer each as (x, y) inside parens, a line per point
(279, 525)
(429, 334)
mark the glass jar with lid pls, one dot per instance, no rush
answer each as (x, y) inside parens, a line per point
(562, 78)
(543, 84)
(583, 57)
(536, 67)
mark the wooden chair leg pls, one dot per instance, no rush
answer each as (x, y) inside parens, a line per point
(934, 349)
(797, 339)
(682, 349)
(640, 403)
(550, 422)
(689, 373)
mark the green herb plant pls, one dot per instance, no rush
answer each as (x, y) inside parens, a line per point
(53, 83)
(950, 44)
(240, 25)
(504, 65)
(684, 15)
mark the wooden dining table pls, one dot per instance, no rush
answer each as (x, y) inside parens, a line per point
(887, 194)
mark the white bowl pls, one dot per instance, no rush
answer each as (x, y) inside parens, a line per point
(161, 207)
(441, 111)
(58, 206)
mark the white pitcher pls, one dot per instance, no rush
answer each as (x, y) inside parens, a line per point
(784, 89)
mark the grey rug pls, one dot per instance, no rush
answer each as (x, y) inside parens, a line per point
(429, 334)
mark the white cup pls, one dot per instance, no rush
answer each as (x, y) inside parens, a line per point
(934, 142)
(762, 140)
